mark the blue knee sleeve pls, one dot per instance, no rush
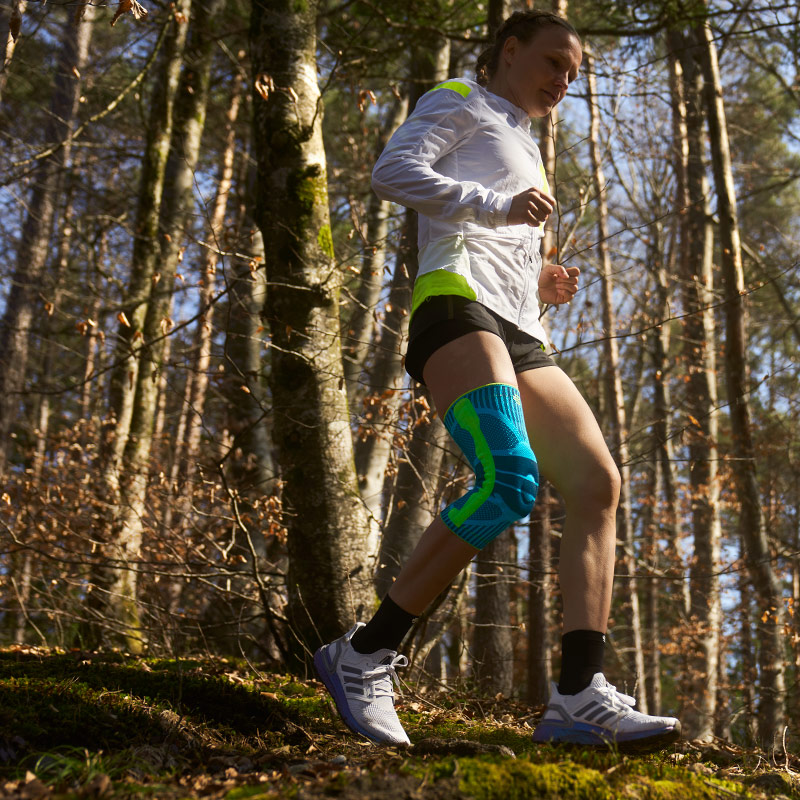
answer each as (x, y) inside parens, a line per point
(488, 425)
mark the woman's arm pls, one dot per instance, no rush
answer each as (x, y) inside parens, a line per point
(404, 172)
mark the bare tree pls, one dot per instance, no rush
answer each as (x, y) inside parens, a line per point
(696, 272)
(23, 304)
(772, 694)
(615, 401)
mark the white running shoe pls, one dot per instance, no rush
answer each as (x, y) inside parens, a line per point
(600, 715)
(361, 687)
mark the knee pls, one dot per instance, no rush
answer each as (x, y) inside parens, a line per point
(517, 490)
(595, 489)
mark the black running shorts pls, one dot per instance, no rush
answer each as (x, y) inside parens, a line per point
(442, 318)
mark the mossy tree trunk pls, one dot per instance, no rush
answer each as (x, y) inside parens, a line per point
(330, 584)
(133, 392)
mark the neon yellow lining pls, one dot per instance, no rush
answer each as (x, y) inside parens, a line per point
(437, 282)
(470, 391)
(456, 86)
(467, 418)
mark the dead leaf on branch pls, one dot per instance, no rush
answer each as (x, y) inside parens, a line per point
(264, 85)
(138, 10)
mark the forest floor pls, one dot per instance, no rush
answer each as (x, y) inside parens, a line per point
(88, 725)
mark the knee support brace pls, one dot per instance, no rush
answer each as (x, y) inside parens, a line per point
(488, 425)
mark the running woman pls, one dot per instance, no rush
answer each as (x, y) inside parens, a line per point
(465, 160)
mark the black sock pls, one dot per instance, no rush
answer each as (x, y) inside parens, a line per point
(581, 656)
(385, 630)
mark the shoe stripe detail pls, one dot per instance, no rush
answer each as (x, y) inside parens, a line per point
(351, 670)
(605, 717)
(595, 712)
(588, 707)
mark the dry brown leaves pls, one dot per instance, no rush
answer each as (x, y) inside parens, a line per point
(138, 10)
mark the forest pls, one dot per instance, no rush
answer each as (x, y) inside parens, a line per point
(208, 441)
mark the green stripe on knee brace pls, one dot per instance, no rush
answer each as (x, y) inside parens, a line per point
(488, 425)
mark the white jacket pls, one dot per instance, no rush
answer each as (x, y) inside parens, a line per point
(458, 160)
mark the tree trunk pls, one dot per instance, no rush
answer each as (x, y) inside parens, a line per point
(190, 426)
(23, 304)
(329, 581)
(695, 269)
(615, 400)
(9, 34)
(133, 391)
(493, 649)
(146, 247)
(772, 687)
(415, 494)
(386, 376)
(374, 448)
(361, 326)
(540, 667)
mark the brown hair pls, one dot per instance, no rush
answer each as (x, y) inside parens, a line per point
(522, 24)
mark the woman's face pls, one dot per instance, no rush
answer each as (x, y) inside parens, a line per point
(535, 74)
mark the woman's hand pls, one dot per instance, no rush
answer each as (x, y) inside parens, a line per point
(531, 207)
(558, 284)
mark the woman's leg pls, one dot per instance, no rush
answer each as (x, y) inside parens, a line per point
(358, 668)
(573, 455)
(466, 363)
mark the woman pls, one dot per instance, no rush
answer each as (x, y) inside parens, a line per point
(466, 162)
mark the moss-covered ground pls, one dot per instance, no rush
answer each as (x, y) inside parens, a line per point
(78, 725)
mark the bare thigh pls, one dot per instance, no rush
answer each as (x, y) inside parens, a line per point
(466, 363)
(566, 438)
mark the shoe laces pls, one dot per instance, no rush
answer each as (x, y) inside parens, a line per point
(619, 701)
(384, 675)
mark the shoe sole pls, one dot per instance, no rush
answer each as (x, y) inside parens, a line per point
(337, 693)
(591, 736)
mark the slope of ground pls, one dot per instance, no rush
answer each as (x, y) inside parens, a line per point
(78, 725)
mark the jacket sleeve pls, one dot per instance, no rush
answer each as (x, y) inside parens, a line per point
(405, 172)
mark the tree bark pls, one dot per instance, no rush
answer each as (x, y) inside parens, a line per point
(183, 465)
(133, 392)
(493, 649)
(769, 631)
(22, 305)
(615, 400)
(9, 35)
(539, 661)
(329, 581)
(361, 326)
(695, 269)
(540, 667)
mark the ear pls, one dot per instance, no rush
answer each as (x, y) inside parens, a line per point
(510, 47)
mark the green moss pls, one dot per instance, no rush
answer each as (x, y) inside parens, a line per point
(251, 793)
(520, 780)
(307, 187)
(112, 703)
(325, 240)
(420, 726)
